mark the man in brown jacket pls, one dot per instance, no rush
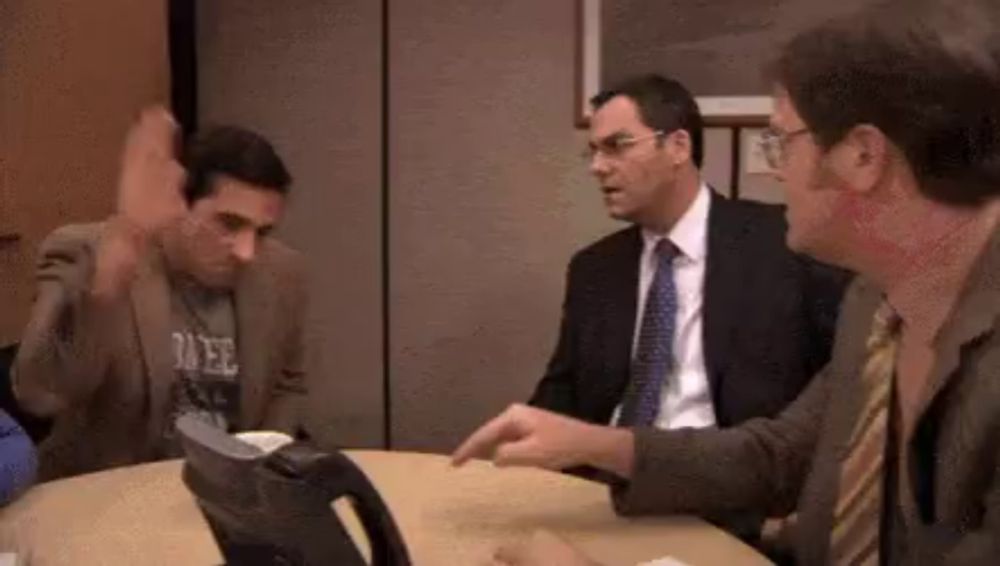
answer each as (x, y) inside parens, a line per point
(178, 303)
(886, 134)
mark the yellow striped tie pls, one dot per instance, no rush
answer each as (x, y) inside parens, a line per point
(856, 518)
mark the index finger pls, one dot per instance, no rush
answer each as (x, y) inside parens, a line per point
(485, 440)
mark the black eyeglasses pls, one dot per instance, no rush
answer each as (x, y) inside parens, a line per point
(774, 142)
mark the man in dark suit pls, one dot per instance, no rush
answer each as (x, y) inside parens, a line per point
(885, 133)
(752, 321)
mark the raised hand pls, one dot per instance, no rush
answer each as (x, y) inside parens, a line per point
(150, 183)
(150, 196)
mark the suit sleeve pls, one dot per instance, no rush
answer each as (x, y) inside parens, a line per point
(18, 462)
(760, 465)
(62, 358)
(289, 388)
(557, 389)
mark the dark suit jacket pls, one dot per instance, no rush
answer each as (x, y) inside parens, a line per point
(104, 371)
(768, 319)
(793, 461)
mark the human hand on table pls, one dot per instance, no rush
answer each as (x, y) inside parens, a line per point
(542, 549)
(526, 436)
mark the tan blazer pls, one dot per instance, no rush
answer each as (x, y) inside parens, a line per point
(951, 514)
(104, 371)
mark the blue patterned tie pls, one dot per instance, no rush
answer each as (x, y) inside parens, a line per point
(654, 352)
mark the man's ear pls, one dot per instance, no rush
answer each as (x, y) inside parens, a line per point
(678, 145)
(861, 158)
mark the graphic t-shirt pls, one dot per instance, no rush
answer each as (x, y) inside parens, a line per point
(206, 366)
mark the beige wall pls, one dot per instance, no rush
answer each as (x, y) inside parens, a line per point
(715, 48)
(489, 198)
(73, 75)
(306, 75)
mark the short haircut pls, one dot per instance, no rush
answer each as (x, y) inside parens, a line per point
(664, 104)
(925, 73)
(233, 152)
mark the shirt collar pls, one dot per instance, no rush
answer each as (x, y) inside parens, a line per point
(690, 232)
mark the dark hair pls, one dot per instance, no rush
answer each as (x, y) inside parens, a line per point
(927, 74)
(232, 151)
(664, 104)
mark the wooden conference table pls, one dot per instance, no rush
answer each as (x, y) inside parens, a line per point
(145, 515)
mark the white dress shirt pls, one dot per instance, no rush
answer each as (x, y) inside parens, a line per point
(685, 399)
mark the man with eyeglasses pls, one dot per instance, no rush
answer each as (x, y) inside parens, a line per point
(696, 315)
(886, 130)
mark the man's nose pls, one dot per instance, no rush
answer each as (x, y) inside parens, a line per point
(245, 246)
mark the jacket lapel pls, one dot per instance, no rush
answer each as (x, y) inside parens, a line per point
(620, 304)
(722, 282)
(252, 334)
(850, 395)
(974, 314)
(150, 296)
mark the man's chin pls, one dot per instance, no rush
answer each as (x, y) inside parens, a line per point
(799, 243)
(811, 247)
(619, 213)
(218, 280)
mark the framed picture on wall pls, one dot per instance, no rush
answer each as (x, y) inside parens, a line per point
(719, 49)
(588, 59)
(599, 61)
